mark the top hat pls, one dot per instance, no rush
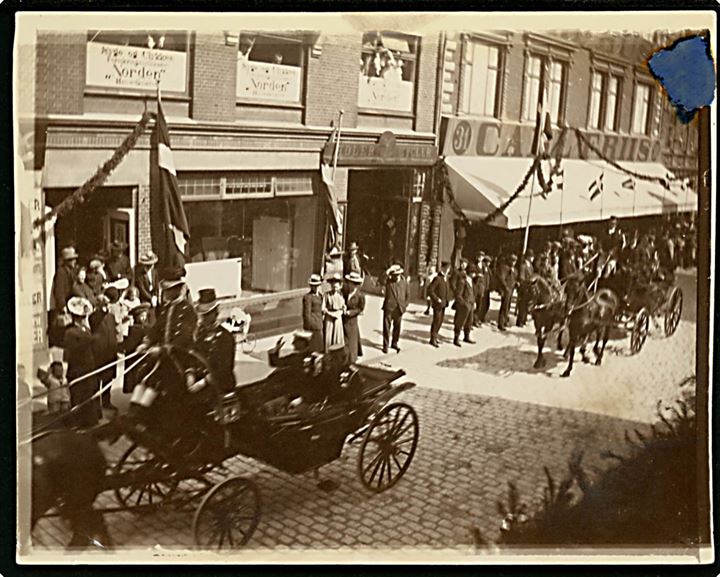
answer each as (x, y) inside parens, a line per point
(79, 306)
(148, 259)
(172, 276)
(207, 301)
(354, 278)
(68, 253)
(314, 280)
(354, 246)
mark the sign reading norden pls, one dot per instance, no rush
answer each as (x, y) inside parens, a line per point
(385, 94)
(132, 67)
(264, 81)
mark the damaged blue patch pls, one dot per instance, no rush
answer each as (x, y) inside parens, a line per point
(686, 71)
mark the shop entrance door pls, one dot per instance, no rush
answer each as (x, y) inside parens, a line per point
(119, 224)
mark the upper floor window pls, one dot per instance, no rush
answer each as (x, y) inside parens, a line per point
(545, 83)
(641, 109)
(269, 68)
(604, 101)
(481, 76)
(137, 60)
(387, 71)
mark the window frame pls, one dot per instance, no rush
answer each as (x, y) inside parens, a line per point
(646, 129)
(469, 41)
(546, 64)
(223, 183)
(303, 47)
(144, 92)
(606, 77)
(413, 57)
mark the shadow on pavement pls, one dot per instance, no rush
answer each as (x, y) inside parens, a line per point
(503, 361)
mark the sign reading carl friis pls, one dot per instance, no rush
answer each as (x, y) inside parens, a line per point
(132, 67)
(470, 137)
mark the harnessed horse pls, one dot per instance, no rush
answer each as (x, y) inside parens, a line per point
(548, 311)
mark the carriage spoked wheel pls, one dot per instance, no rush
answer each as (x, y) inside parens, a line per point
(388, 447)
(640, 330)
(673, 311)
(150, 480)
(248, 343)
(228, 515)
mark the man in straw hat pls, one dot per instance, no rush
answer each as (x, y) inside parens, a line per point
(215, 344)
(312, 313)
(395, 304)
(61, 291)
(353, 262)
(79, 343)
(145, 278)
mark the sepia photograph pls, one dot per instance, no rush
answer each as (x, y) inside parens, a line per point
(364, 287)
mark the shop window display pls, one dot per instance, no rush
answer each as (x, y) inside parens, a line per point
(274, 237)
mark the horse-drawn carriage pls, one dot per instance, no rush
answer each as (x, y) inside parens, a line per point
(296, 420)
(643, 301)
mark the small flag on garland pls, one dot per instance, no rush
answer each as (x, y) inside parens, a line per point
(596, 187)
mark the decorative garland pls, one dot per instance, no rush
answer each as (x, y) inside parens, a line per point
(664, 182)
(500, 209)
(443, 181)
(555, 168)
(102, 173)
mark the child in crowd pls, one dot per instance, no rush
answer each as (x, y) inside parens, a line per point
(58, 399)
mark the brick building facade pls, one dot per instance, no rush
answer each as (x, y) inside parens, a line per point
(250, 115)
(598, 84)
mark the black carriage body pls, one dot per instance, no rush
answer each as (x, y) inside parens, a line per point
(314, 435)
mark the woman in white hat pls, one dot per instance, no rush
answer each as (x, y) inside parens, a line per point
(78, 343)
(333, 311)
(355, 305)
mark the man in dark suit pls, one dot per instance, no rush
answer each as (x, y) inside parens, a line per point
(312, 314)
(145, 278)
(353, 260)
(463, 305)
(506, 279)
(437, 294)
(394, 306)
(62, 285)
(525, 274)
(118, 265)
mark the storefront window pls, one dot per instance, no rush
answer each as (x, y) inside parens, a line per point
(641, 109)
(270, 68)
(137, 60)
(387, 71)
(275, 238)
(604, 101)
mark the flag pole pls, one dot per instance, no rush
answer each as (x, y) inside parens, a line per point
(527, 223)
(634, 195)
(336, 152)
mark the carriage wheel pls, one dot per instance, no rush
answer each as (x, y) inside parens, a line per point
(388, 447)
(673, 311)
(248, 343)
(228, 515)
(640, 330)
(151, 482)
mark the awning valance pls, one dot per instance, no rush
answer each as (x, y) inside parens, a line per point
(481, 184)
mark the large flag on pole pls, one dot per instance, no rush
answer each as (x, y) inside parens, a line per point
(173, 214)
(543, 123)
(596, 187)
(327, 173)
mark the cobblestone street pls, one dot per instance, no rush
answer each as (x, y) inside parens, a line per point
(486, 419)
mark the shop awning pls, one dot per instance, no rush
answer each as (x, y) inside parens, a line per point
(481, 184)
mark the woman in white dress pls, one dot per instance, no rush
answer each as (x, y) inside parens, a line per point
(333, 310)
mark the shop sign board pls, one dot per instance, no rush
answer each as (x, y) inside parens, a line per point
(476, 137)
(385, 152)
(265, 81)
(133, 67)
(389, 93)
